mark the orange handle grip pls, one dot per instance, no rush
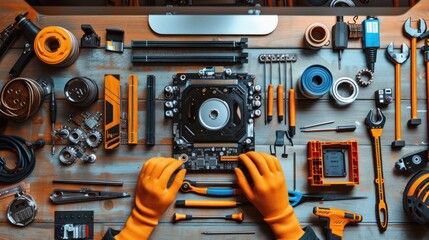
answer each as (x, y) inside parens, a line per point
(205, 203)
(413, 78)
(397, 102)
(292, 108)
(280, 107)
(236, 217)
(181, 216)
(270, 102)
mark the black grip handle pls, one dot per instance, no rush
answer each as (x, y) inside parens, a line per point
(346, 128)
(23, 60)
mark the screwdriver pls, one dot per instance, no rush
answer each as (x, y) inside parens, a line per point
(340, 37)
(234, 217)
(344, 128)
(270, 95)
(280, 107)
(53, 113)
(207, 203)
(292, 120)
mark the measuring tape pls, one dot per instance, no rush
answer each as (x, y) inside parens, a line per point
(348, 83)
(315, 82)
(56, 46)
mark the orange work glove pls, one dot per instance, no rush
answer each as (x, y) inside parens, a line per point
(269, 194)
(152, 197)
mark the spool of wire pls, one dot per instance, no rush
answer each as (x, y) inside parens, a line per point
(81, 91)
(348, 85)
(416, 197)
(315, 82)
(56, 46)
(316, 36)
(20, 98)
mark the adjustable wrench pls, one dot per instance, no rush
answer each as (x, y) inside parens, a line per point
(414, 33)
(375, 128)
(398, 59)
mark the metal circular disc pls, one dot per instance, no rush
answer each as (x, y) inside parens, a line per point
(214, 114)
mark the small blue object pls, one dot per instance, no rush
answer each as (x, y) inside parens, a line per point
(221, 192)
(316, 81)
(295, 197)
(371, 33)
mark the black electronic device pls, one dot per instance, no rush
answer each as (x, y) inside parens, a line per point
(213, 115)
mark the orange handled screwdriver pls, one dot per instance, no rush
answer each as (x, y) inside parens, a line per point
(292, 109)
(280, 107)
(270, 98)
(207, 203)
(336, 220)
(234, 217)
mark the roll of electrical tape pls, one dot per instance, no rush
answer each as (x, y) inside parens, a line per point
(348, 85)
(315, 82)
(56, 46)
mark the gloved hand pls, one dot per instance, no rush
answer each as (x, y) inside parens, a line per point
(269, 194)
(152, 197)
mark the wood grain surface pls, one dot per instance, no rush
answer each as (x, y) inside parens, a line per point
(124, 164)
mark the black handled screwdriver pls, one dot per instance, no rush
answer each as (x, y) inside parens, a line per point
(340, 37)
(344, 128)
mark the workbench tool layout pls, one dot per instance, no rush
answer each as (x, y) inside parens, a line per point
(86, 100)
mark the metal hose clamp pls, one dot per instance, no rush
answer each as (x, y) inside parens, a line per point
(366, 72)
(347, 83)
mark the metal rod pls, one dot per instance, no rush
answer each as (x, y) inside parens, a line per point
(189, 44)
(317, 124)
(228, 233)
(88, 182)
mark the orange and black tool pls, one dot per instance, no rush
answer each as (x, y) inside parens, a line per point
(238, 217)
(270, 99)
(133, 110)
(112, 111)
(336, 220)
(208, 203)
(213, 192)
(280, 107)
(292, 109)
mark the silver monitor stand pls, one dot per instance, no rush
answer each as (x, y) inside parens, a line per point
(213, 24)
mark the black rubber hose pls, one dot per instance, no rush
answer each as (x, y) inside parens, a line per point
(26, 159)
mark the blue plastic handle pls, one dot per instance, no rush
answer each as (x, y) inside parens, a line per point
(220, 192)
(294, 197)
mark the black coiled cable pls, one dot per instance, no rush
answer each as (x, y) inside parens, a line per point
(26, 159)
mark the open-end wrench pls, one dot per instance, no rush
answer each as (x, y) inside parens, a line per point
(414, 33)
(375, 128)
(398, 59)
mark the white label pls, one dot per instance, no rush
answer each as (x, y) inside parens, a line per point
(372, 27)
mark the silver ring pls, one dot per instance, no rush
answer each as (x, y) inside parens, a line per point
(349, 3)
(345, 100)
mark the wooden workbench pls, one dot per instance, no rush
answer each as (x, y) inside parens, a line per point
(124, 164)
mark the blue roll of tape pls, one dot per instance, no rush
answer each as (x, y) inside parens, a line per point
(315, 82)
